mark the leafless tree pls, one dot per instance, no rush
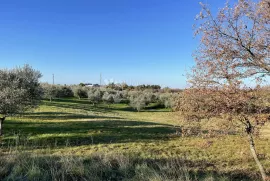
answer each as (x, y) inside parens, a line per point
(235, 45)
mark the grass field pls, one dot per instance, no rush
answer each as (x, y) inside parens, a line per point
(71, 136)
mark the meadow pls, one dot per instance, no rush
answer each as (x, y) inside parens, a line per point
(71, 139)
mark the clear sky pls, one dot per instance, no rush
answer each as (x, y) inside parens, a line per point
(132, 41)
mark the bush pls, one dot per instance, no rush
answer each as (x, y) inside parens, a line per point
(80, 92)
(118, 97)
(138, 101)
(94, 96)
(49, 91)
(64, 92)
(168, 100)
(150, 97)
(108, 98)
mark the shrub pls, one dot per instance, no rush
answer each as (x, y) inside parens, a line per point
(80, 92)
(94, 96)
(108, 98)
(150, 97)
(49, 91)
(168, 100)
(138, 102)
(64, 92)
(118, 97)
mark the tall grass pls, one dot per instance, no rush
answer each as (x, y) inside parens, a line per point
(18, 163)
(25, 166)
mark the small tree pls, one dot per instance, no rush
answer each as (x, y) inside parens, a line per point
(168, 100)
(118, 97)
(80, 92)
(19, 91)
(49, 91)
(108, 98)
(234, 46)
(238, 105)
(94, 96)
(149, 96)
(138, 101)
(64, 92)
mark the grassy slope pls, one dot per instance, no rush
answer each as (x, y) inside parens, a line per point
(72, 127)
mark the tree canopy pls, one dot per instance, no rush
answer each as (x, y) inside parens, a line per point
(19, 90)
(235, 45)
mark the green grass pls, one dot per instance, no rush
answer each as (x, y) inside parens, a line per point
(70, 128)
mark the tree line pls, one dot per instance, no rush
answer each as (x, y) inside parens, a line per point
(137, 99)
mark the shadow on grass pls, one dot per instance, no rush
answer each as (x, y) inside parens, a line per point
(85, 106)
(63, 116)
(130, 109)
(103, 108)
(78, 133)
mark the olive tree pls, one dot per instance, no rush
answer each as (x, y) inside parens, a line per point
(118, 97)
(137, 100)
(234, 46)
(149, 96)
(168, 100)
(94, 96)
(20, 91)
(49, 91)
(64, 91)
(108, 98)
(80, 92)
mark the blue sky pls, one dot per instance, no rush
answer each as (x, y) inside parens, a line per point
(136, 41)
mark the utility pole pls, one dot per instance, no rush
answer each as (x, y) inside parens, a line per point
(100, 79)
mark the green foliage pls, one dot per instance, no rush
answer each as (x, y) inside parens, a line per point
(138, 101)
(108, 98)
(168, 100)
(64, 92)
(94, 96)
(49, 91)
(118, 97)
(56, 91)
(19, 90)
(80, 92)
(149, 96)
(124, 86)
(147, 87)
(82, 84)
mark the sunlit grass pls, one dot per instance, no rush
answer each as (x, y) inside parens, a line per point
(76, 128)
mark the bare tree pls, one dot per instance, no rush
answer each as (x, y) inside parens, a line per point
(19, 91)
(235, 45)
(238, 37)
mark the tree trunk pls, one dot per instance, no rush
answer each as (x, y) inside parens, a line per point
(1, 125)
(255, 156)
(249, 130)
